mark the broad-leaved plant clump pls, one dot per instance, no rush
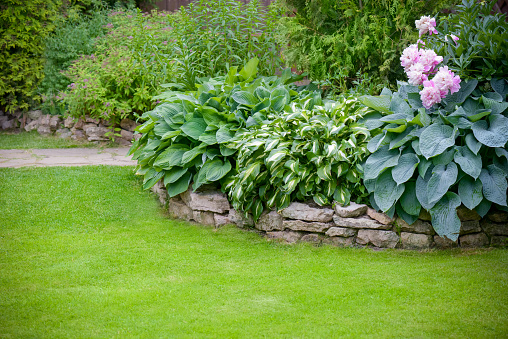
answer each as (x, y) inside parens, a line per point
(185, 138)
(441, 146)
(310, 150)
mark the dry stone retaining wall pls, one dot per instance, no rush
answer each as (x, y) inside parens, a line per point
(353, 225)
(70, 128)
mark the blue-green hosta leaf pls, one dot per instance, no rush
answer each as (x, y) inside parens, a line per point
(400, 106)
(161, 128)
(408, 135)
(466, 88)
(397, 118)
(443, 177)
(500, 85)
(194, 128)
(278, 91)
(445, 221)
(494, 184)
(372, 121)
(415, 144)
(172, 156)
(409, 218)
(224, 135)
(470, 192)
(174, 174)
(469, 162)
(262, 93)
(387, 191)
(179, 186)
(404, 170)
(379, 140)
(379, 161)
(473, 144)
(379, 103)
(408, 201)
(217, 169)
(444, 158)
(151, 178)
(170, 134)
(244, 98)
(494, 134)
(422, 191)
(478, 116)
(483, 208)
(423, 166)
(261, 105)
(226, 151)
(415, 101)
(435, 139)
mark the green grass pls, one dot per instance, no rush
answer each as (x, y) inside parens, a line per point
(84, 253)
(32, 140)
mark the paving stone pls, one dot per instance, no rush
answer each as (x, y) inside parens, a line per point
(35, 114)
(204, 217)
(306, 212)
(350, 211)
(492, 228)
(379, 216)
(472, 226)
(179, 210)
(128, 125)
(239, 219)
(312, 238)
(69, 122)
(221, 219)
(212, 201)
(127, 135)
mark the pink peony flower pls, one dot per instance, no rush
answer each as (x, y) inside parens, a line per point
(426, 24)
(445, 80)
(429, 59)
(454, 38)
(430, 94)
(409, 57)
(416, 74)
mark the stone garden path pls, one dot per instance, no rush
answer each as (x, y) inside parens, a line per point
(65, 157)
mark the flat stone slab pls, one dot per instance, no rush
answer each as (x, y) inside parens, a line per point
(66, 157)
(300, 211)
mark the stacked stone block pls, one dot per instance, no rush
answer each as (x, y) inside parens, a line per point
(344, 226)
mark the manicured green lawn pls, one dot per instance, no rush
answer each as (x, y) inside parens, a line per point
(84, 253)
(28, 140)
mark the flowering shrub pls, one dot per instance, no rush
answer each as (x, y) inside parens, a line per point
(441, 146)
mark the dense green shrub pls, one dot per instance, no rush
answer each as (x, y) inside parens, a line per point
(185, 138)
(74, 36)
(123, 74)
(340, 40)
(24, 24)
(311, 150)
(215, 35)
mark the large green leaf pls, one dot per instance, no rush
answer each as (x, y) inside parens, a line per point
(404, 170)
(194, 128)
(151, 178)
(470, 192)
(174, 174)
(244, 98)
(408, 201)
(422, 191)
(494, 134)
(250, 69)
(217, 169)
(191, 154)
(494, 184)
(379, 103)
(468, 161)
(409, 218)
(435, 139)
(466, 88)
(172, 156)
(224, 135)
(387, 191)
(380, 160)
(443, 177)
(278, 103)
(445, 221)
(179, 186)
(473, 144)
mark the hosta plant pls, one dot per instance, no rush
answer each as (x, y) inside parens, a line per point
(439, 158)
(312, 150)
(185, 137)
